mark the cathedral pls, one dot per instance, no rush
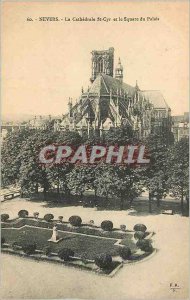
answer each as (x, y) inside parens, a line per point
(109, 102)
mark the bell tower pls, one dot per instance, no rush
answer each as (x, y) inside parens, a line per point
(119, 71)
(102, 62)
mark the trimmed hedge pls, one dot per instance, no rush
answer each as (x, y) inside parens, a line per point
(103, 261)
(60, 219)
(107, 225)
(75, 220)
(140, 227)
(23, 213)
(4, 217)
(48, 217)
(66, 254)
(2, 240)
(144, 245)
(15, 246)
(125, 252)
(36, 215)
(29, 248)
(139, 235)
(47, 251)
(123, 227)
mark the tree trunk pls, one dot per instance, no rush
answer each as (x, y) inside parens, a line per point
(58, 190)
(45, 193)
(121, 203)
(158, 201)
(187, 199)
(36, 188)
(182, 206)
(95, 197)
(150, 203)
(130, 202)
(81, 196)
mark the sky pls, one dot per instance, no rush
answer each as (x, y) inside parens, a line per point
(45, 63)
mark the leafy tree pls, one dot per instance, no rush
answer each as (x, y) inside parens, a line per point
(120, 136)
(80, 179)
(178, 171)
(120, 181)
(11, 148)
(155, 175)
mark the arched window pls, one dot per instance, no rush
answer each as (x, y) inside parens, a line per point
(100, 65)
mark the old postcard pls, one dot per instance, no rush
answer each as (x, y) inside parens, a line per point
(95, 150)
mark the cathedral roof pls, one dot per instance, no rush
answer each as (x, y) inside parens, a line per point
(103, 84)
(156, 98)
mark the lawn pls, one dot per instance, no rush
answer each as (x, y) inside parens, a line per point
(79, 243)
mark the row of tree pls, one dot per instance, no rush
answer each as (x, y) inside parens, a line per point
(167, 171)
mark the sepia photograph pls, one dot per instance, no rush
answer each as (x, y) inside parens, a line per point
(95, 150)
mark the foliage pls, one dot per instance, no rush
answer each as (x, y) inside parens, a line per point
(23, 213)
(15, 246)
(80, 179)
(4, 217)
(75, 220)
(123, 227)
(119, 181)
(103, 261)
(178, 171)
(36, 214)
(138, 235)
(125, 252)
(29, 248)
(66, 254)
(47, 250)
(60, 219)
(155, 175)
(107, 225)
(144, 245)
(140, 227)
(11, 149)
(48, 217)
(2, 240)
(121, 136)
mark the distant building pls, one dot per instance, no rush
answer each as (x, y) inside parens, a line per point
(109, 102)
(10, 127)
(40, 122)
(180, 126)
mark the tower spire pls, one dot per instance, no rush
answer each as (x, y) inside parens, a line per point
(119, 71)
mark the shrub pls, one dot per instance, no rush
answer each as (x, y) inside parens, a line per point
(23, 213)
(123, 227)
(144, 245)
(84, 258)
(91, 222)
(125, 252)
(2, 240)
(15, 246)
(36, 215)
(140, 227)
(103, 261)
(4, 217)
(65, 254)
(47, 251)
(60, 219)
(75, 220)
(107, 225)
(48, 217)
(139, 235)
(29, 248)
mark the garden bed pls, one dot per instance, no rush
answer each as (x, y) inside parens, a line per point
(86, 241)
